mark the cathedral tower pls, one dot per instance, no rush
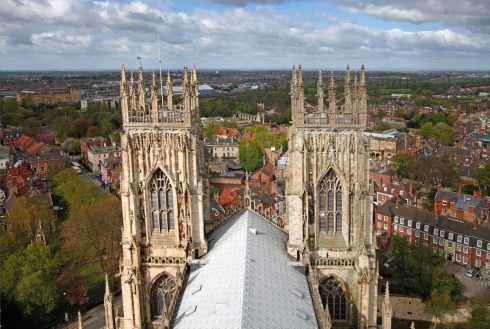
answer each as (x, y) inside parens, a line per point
(164, 193)
(329, 208)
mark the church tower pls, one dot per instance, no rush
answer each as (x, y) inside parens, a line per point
(164, 194)
(329, 208)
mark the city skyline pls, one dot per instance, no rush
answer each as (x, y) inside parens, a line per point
(270, 34)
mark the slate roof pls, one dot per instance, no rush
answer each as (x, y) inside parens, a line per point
(246, 281)
(440, 222)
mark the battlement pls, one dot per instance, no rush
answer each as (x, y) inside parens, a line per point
(348, 112)
(137, 112)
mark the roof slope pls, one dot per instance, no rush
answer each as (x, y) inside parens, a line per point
(246, 281)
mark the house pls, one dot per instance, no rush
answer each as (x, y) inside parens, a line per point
(85, 143)
(462, 242)
(97, 154)
(384, 145)
(227, 133)
(460, 206)
(222, 148)
(110, 170)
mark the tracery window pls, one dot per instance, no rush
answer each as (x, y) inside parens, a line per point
(162, 202)
(330, 204)
(333, 297)
(162, 293)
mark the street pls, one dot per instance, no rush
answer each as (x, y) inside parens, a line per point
(95, 317)
(470, 286)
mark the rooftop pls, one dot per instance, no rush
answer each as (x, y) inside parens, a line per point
(246, 281)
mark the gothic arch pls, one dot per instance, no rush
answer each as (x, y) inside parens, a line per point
(331, 202)
(335, 296)
(161, 201)
(162, 293)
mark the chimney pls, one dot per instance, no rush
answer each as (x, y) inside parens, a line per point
(439, 187)
(397, 203)
(459, 192)
(477, 194)
(475, 223)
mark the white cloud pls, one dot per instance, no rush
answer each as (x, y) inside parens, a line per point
(103, 34)
(471, 14)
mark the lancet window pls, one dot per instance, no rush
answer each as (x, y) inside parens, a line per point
(333, 297)
(162, 202)
(330, 203)
(162, 293)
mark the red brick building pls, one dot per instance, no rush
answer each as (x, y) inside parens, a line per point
(462, 242)
(85, 143)
(461, 206)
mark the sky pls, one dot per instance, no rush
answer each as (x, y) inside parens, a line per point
(245, 34)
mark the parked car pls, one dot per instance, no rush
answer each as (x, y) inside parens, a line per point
(470, 272)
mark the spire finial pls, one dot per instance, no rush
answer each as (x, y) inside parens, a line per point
(412, 326)
(300, 75)
(362, 81)
(80, 324)
(387, 292)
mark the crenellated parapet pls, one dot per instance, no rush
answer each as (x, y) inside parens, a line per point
(348, 111)
(141, 109)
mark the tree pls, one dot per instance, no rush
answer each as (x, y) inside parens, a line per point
(94, 232)
(480, 314)
(483, 178)
(484, 279)
(414, 268)
(29, 278)
(92, 131)
(403, 162)
(249, 154)
(439, 303)
(210, 129)
(426, 130)
(439, 117)
(25, 217)
(72, 287)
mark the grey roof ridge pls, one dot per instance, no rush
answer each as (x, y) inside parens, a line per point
(245, 268)
(267, 221)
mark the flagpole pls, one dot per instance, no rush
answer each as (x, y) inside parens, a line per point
(160, 62)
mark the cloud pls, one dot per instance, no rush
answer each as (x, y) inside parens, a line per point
(103, 34)
(243, 3)
(471, 14)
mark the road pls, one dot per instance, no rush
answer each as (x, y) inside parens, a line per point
(470, 286)
(95, 317)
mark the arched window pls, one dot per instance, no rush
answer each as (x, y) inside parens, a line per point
(333, 297)
(330, 204)
(162, 202)
(162, 293)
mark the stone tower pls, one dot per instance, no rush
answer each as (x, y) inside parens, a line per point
(164, 194)
(329, 209)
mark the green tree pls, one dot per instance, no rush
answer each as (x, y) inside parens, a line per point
(439, 117)
(426, 130)
(482, 177)
(480, 314)
(25, 217)
(29, 278)
(94, 232)
(249, 154)
(210, 129)
(403, 162)
(439, 304)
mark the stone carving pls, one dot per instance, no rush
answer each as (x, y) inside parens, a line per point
(322, 262)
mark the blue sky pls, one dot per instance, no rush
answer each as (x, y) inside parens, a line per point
(245, 34)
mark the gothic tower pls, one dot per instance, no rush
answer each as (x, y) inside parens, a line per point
(329, 209)
(165, 197)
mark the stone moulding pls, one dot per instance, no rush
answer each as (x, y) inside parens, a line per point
(324, 262)
(162, 260)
